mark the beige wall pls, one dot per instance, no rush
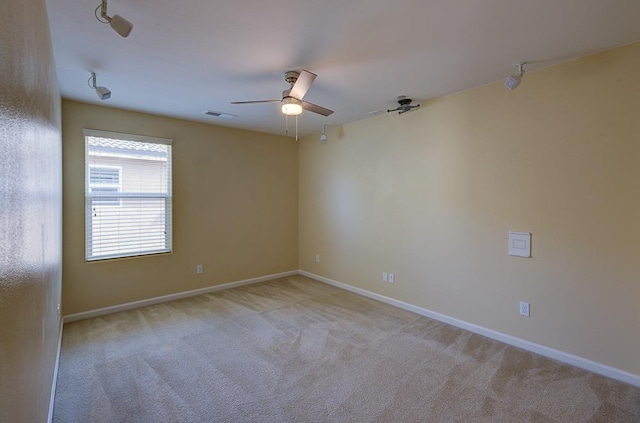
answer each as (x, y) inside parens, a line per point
(30, 212)
(235, 209)
(432, 194)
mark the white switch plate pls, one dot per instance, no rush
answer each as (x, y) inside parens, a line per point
(317, 258)
(520, 244)
(385, 277)
(199, 268)
(524, 308)
(392, 278)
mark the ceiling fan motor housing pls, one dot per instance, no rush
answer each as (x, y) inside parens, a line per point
(291, 77)
(286, 93)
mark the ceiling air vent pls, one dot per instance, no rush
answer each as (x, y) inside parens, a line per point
(220, 115)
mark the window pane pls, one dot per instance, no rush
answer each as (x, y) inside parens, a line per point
(137, 225)
(128, 195)
(101, 175)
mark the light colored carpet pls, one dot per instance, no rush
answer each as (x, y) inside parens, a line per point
(294, 349)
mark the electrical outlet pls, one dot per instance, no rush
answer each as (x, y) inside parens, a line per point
(385, 277)
(199, 269)
(524, 308)
(392, 278)
(317, 258)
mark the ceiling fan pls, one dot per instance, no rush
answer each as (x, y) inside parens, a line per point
(404, 105)
(292, 103)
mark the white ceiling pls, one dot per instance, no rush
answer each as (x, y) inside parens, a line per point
(185, 57)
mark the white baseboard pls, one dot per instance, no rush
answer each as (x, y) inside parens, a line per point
(55, 374)
(171, 297)
(583, 363)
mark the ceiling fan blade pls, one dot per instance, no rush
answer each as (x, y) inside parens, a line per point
(255, 101)
(315, 108)
(302, 85)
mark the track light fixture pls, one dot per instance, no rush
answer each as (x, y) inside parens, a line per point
(117, 22)
(323, 137)
(104, 93)
(513, 81)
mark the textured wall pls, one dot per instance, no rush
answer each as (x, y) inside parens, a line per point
(30, 212)
(432, 194)
(235, 209)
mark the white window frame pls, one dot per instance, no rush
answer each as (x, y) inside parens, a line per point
(168, 248)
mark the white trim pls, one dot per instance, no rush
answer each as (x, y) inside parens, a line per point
(574, 360)
(171, 297)
(52, 397)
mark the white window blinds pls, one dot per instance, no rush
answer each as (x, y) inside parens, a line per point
(128, 195)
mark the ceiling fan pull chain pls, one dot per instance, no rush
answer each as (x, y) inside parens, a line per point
(296, 127)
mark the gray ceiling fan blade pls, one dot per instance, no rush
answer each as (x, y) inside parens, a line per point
(315, 108)
(255, 101)
(302, 85)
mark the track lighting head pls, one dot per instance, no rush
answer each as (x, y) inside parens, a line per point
(323, 137)
(104, 93)
(513, 81)
(119, 24)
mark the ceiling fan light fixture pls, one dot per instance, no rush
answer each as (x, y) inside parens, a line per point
(291, 106)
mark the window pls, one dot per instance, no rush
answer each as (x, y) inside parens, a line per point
(127, 195)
